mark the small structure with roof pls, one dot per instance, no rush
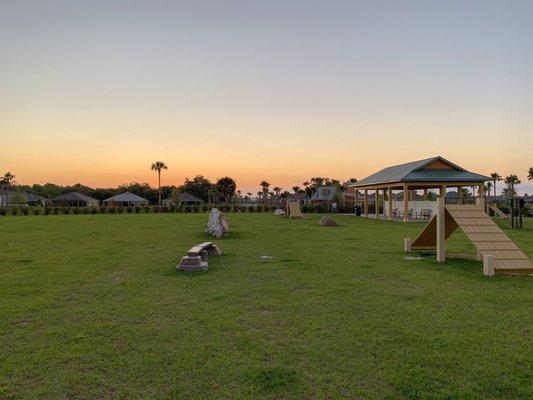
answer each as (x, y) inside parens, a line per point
(431, 173)
(15, 198)
(75, 199)
(300, 197)
(184, 198)
(324, 194)
(35, 200)
(125, 199)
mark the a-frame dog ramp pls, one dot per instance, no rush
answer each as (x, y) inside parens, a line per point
(499, 212)
(499, 253)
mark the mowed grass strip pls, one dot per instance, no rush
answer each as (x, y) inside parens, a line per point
(92, 307)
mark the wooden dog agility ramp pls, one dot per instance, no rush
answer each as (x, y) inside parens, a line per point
(499, 212)
(499, 253)
(293, 209)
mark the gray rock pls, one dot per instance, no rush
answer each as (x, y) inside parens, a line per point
(327, 222)
(218, 224)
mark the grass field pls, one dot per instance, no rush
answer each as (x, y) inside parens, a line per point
(92, 307)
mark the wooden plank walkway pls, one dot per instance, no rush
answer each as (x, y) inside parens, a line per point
(486, 236)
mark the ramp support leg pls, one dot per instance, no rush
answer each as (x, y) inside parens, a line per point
(441, 243)
(488, 265)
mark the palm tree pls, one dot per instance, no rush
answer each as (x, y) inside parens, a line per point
(306, 187)
(495, 177)
(462, 194)
(158, 166)
(488, 187)
(264, 190)
(277, 191)
(530, 174)
(511, 181)
(6, 182)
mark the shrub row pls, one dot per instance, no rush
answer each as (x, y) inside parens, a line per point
(324, 208)
(129, 210)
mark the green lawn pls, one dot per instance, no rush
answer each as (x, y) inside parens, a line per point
(91, 307)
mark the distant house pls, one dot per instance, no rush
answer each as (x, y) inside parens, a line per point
(184, 198)
(497, 199)
(125, 199)
(34, 200)
(303, 198)
(324, 195)
(399, 196)
(11, 197)
(75, 199)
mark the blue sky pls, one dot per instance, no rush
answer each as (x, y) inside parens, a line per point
(95, 91)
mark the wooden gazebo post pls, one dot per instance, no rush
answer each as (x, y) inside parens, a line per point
(366, 203)
(441, 238)
(390, 202)
(376, 203)
(481, 199)
(405, 202)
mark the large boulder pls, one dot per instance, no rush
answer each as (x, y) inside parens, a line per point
(279, 211)
(327, 222)
(218, 224)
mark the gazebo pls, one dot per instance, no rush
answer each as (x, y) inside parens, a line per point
(431, 173)
(75, 199)
(126, 199)
(183, 198)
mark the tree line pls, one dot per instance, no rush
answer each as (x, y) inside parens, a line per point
(223, 190)
(510, 182)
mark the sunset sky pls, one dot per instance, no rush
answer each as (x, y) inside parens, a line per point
(95, 91)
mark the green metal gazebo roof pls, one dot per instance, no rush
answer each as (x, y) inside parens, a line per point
(416, 171)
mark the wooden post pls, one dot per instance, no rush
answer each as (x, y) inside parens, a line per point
(366, 203)
(407, 245)
(405, 202)
(459, 195)
(481, 199)
(425, 194)
(390, 204)
(356, 197)
(376, 202)
(441, 243)
(442, 192)
(488, 265)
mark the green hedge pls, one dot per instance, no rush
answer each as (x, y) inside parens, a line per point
(204, 208)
